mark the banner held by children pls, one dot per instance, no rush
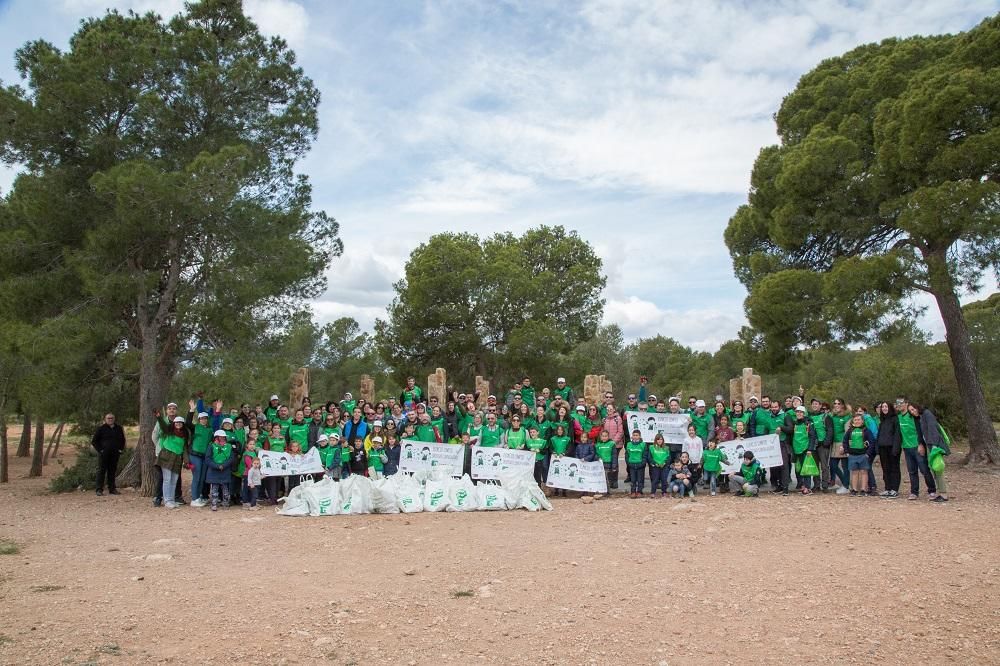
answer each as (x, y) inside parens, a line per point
(766, 449)
(417, 455)
(574, 474)
(487, 462)
(673, 427)
(282, 463)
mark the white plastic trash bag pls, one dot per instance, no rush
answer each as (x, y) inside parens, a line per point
(436, 495)
(294, 504)
(522, 491)
(409, 494)
(384, 497)
(491, 497)
(325, 498)
(462, 495)
(356, 495)
(534, 499)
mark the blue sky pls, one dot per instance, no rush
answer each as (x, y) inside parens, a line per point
(634, 123)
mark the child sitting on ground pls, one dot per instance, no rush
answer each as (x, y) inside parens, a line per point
(747, 482)
(678, 479)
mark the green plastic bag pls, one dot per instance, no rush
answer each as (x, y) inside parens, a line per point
(935, 459)
(809, 466)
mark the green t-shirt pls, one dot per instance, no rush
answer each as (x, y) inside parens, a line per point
(712, 459)
(659, 455)
(277, 443)
(425, 433)
(284, 423)
(201, 438)
(800, 438)
(490, 438)
(839, 425)
(327, 455)
(516, 438)
(749, 472)
(299, 432)
(375, 459)
(702, 424)
(563, 392)
(172, 443)
(744, 417)
(413, 395)
(221, 453)
(819, 423)
(538, 446)
(774, 423)
(560, 444)
(856, 442)
(908, 431)
(605, 450)
(634, 452)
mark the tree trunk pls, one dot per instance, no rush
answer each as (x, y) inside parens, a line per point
(983, 447)
(4, 474)
(58, 440)
(52, 441)
(141, 470)
(36, 457)
(24, 446)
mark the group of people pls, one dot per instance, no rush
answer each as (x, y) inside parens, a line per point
(828, 447)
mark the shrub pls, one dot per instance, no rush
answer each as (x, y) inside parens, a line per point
(82, 474)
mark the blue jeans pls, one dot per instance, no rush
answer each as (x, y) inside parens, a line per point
(198, 476)
(677, 487)
(658, 479)
(713, 480)
(637, 476)
(170, 480)
(916, 465)
(838, 468)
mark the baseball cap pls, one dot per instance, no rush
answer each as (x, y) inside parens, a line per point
(171, 404)
(753, 398)
(377, 423)
(800, 408)
(322, 438)
(561, 379)
(651, 397)
(492, 397)
(335, 437)
(202, 415)
(227, 420)
(699, 403)
(219, 433)
(376, 439)
(274, 397)
(580, 408)
(178, 419)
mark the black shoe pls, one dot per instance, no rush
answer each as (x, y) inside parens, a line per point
(179, 502)
(100, 493)
(114, 492)
(158, 502)
(785, 492)
(774, 491)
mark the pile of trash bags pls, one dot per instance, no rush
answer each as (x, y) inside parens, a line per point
(435, 490)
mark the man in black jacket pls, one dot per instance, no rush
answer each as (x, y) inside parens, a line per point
(109, 442)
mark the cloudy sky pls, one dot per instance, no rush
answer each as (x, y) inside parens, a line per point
(634, 123)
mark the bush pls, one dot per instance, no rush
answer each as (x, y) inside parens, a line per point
(82, 475)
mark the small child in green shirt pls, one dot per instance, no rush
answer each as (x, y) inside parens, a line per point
(376, 459)
(712, 459)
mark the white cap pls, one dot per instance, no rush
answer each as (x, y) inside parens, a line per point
(675, 399)
(322, 438)
(274, 397)
(178, 419)
(754, 398)
(699, 403)
(377, 423)
(202, 415)
(800, 408)
(348, 395)
(171, 404)
(581, 408)
(492, 397)
(219, 433)
(227, 420)
(376, 438)
(335, 436)
(652, 397)
(561, 379)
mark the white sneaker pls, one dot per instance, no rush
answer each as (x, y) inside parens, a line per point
(172, 505)
(842, 490)
(198, 503)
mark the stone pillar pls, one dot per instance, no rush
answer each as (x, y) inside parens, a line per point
(367, 388)
(594, 388)
(744, 386)
(483, 387)
(437, 385)
(298, 388)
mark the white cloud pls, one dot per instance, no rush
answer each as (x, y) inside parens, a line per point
(465, 187)
(286, 18)
(702, 328)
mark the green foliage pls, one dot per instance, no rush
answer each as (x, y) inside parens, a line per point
(495, 307)
(82, 474)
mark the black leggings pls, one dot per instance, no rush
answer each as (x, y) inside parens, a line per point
(890, 468)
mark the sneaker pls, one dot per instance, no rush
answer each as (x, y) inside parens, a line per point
(774, 491)
(114, 492)
(713, 493)
(180, 502)
(841, 490)
(893, 494)
(100, 493)
(940, 500)
(932, 496)
(912, 497)
(158, 502)
(784, 492)
(254, 508)
(885, 493)
(215, 507)
(171, 505)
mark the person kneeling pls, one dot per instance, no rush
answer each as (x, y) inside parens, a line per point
(747, 482)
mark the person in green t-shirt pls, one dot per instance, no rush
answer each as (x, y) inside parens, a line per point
(747, 482)
(636, 455)
(712, 459)
(516, 436)
(606, 452)
(411, 393)
(537, 443)
(659, 460)
(910, 439)
(376, 459)
(559, 445)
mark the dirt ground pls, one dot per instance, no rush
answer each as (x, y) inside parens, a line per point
(111, 580)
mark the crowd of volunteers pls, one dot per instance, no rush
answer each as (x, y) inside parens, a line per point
(825, 447)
